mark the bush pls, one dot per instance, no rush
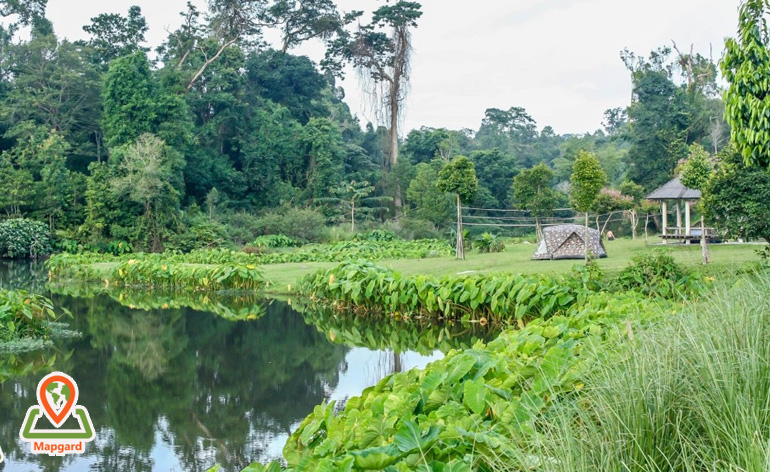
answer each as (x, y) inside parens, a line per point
(307, 225)
(275, 241)
(200, 234)
(376, 235)
(657, 273)
(488, 242)
(412, 228)
(23, 238)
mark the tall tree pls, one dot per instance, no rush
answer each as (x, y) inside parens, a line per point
(533, 191)
(459, 177)
(302, 20)
(144, 175)
(587, 180)
(659, 119)
(25, 10)
(129, 106)
(381, 51)
(113, 35)
(324, 154)
(430, 203)
(746, 66)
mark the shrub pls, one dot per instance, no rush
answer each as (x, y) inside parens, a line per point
(657, 273)
(275, 241)
(413, 228)
(23, 238)
(488, 242)
(23, 315)
(376, 235)
(200, 234)
(307, 225)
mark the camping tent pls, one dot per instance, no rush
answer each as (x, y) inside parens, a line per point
(566, 242)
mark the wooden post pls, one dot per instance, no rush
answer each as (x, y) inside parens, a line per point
(704, 244)
(678, 217)
(687, 226)
(665, 219)
(460, 250)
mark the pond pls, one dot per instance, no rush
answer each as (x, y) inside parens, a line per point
(180, 389)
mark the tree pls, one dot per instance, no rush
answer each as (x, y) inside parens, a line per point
(459, 177)
(352, 194)
(325, 154)
(659, 120)
(212, 200)
(696, 174)
(587, 180)
(737, 197)
(129, 105)
(514, 131)
(114, 36)
(746, 66)
(27, 11)
(382, 58)
(145, 173)
(608, 202)
(306, 19)
(533, 191)
(495, 170)
(636, 193)
(430, 203)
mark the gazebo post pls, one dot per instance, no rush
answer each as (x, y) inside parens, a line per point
(687, 225)
(664, 211)
(678, 217)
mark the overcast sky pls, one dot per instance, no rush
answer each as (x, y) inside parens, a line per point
(559, 59)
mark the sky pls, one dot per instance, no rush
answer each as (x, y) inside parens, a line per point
(559, 59)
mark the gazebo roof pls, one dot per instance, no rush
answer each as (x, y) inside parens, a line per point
(674, 190)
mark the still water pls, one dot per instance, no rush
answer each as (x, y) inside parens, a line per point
(180, 389)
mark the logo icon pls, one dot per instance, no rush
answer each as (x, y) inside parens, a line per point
(57, 398)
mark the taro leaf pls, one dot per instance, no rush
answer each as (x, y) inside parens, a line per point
(409, 438)
(474, 395)
(460, 366)
(376, 458)
(309, 432)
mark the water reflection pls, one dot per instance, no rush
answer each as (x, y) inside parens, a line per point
(180, 389)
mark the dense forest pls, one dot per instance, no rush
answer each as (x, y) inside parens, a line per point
(218, 136)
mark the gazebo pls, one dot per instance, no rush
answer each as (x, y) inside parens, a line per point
(675, 191)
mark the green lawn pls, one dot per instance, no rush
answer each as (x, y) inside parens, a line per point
(518, 258)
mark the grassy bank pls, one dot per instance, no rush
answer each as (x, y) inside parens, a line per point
(690, 394)
(517, 258)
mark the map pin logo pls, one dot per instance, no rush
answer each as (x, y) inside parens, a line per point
(57, 393)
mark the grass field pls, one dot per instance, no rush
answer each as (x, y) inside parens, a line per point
(517, 258)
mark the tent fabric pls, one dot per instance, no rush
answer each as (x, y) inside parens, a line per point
(566, 242)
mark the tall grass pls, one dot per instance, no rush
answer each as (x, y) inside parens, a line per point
(689, 394)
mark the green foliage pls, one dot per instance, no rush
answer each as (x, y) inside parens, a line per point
(275, 241)
(737, 200)
(696, 171)
(587, 180)
(633, 190)
(488, 242)
(376, 235)
(496, 298)
(23, 238)
(113, 35)
(459, 177)
(201, 271)
(675, 399)
(533, 191)
(300, 224)
(745, 66)
(24, 315)
(129, 106)
(658, 274)
(429, 202)
(476, 402)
